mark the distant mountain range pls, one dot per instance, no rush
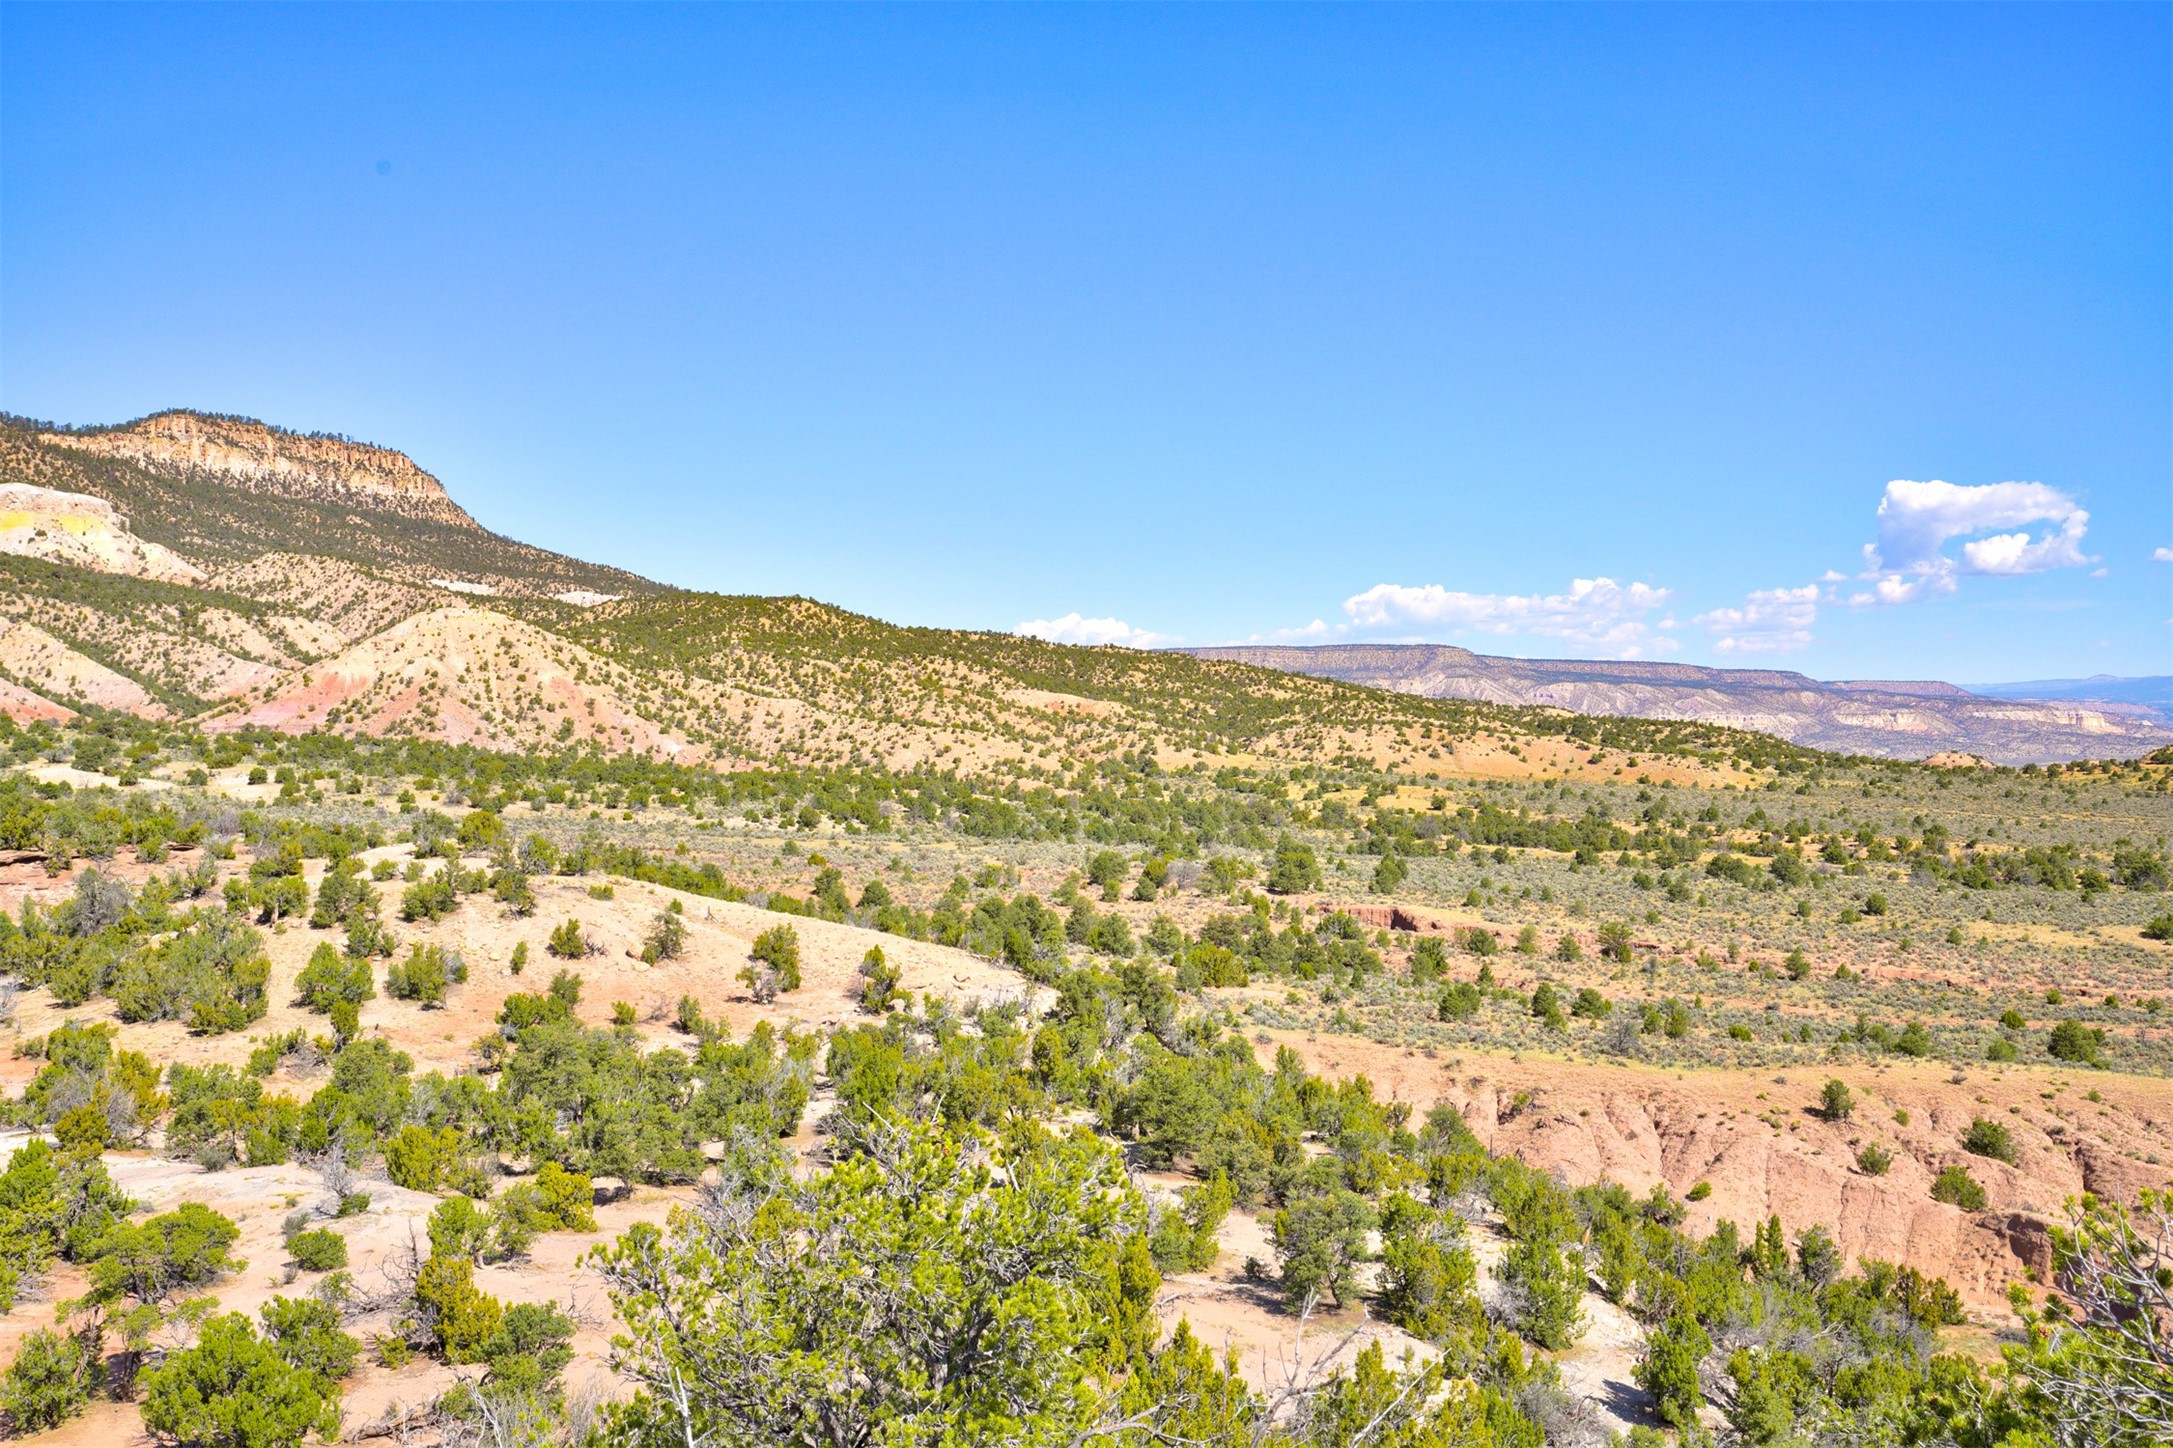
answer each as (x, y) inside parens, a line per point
(2036, 723)
(2154, 691)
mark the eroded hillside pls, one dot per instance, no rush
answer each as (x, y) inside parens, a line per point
(243, 577)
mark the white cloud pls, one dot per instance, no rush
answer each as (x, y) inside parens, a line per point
(2162, 555)
(1917, 521)
(1597, 612)
(1075, 629)
(1771, 621)
(1315, 632)
(1921, 582)
(2016, 553)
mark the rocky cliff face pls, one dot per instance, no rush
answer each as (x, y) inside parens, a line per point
(1909, 720)
(257, 458)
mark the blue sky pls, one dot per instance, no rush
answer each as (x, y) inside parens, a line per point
(1545, 330)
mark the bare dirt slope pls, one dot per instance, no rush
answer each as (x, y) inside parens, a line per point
(326, 603)
(87, 532)
(25, 705)
(43, 663)
(1757, 1141)
(468, 676)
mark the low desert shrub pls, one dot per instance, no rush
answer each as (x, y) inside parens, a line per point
(49, 1382)
(1990, 1138)
(1955, 1185)
(323, 1250)
(2071, 1040)
(567, 942)
(425, 974)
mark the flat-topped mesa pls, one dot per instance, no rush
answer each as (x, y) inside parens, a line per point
(258, 458)
(1904, 719)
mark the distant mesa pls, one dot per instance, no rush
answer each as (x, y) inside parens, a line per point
(1883, 718)
(1919, 688)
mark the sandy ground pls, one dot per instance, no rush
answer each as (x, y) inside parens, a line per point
(719, 936)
